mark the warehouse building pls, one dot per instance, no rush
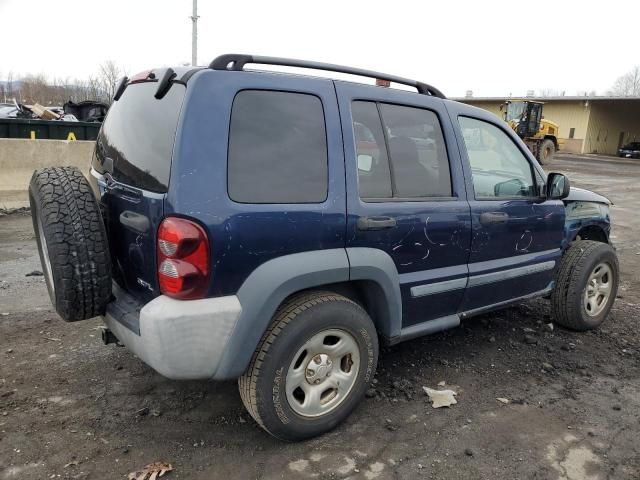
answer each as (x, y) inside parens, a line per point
(586, 124)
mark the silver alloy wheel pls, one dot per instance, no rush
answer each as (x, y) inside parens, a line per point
(46, 261)
(322, 373)
(598, 289)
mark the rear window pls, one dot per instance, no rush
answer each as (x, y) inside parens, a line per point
(277, 148)
(138, 136)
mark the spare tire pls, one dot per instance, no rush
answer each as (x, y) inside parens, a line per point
(72, 242)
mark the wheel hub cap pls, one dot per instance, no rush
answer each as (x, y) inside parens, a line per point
(322, 373)
(318, 369)
(598, 289)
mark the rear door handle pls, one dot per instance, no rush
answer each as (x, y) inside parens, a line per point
(376, 223)
(491, 218)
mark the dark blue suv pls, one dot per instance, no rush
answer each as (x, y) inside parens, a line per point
(274, 228)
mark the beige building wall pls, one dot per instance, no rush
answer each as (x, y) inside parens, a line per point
(611, 125)
(493, 107)
(570, 114)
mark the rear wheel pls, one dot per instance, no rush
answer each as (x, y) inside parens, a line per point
(546, 151)
(312, 366)
(71, 241)
(586, 285)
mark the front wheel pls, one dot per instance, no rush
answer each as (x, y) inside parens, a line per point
(312, 366)
(546, 152)
(586, 285)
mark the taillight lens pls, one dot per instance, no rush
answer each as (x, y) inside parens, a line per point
(183, 259)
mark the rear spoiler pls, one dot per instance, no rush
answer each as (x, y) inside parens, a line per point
(168, 78)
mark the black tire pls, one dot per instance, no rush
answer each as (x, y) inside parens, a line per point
(546, 151)
(567, 298)
(71, 241)
(299, 319)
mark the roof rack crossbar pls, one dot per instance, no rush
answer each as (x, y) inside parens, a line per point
(236, 62)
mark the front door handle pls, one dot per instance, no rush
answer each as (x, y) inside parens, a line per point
(492, 218)
(376, 223)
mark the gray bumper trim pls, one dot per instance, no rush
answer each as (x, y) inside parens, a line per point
(181, 339)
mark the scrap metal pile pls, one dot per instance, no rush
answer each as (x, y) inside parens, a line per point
(86, 111)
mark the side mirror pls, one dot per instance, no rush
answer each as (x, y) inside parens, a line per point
(365, 162)
(558, 186)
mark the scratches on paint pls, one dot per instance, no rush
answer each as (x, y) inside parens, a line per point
(479, 241)
(426, 234)
(524, 242)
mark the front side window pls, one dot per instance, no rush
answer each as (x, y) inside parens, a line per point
(277, 148)
(498, 167)
(400, 152)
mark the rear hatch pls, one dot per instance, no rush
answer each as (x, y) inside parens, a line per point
(131, 170)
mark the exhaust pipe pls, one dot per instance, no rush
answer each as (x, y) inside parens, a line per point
(108, 337)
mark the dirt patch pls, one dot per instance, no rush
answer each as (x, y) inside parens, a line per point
(73, 408)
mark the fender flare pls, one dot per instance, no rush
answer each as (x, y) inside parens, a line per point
(272, 282)
(376, 265)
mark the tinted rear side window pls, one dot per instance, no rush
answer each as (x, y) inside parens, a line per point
(374, 176)
(400, 152)
(138, 135)
(417, 150)
(277, 148)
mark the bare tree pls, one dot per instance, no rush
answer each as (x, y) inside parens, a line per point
(9, 85)
(628, 85)
(108, 78)
(38, 88)
(35, 88)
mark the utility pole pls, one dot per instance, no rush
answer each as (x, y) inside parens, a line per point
(194, 34)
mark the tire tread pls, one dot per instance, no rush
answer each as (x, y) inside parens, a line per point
(76, 241)
(567, 287)
(285, 314)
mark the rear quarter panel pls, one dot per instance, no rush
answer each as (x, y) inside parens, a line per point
(244, 236)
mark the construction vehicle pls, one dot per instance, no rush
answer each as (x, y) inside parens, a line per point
(540, 135)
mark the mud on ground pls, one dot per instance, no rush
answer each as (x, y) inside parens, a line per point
(73, 408)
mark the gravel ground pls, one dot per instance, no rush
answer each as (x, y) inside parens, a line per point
(73, 408)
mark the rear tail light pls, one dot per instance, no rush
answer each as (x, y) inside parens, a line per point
(183, 259)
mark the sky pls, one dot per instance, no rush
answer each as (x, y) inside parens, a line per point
(488, 46)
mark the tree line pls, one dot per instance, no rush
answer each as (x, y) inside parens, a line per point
(101, 87)
(38, 88)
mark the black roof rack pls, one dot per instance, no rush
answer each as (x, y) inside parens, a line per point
(236, 62)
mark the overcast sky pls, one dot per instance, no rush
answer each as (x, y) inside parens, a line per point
(490, 47)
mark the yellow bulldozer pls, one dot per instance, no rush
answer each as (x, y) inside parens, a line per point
(540, 135)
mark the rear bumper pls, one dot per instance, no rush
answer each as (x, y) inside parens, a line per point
(179, 339)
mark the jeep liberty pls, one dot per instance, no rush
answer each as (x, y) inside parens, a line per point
(275, 227)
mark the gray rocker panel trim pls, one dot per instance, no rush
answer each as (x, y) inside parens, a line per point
(426, 328)
(486, 278)
(438, 287)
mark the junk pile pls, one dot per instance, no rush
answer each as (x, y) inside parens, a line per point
(87, 111)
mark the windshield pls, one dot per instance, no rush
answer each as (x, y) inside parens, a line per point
(515, 110)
